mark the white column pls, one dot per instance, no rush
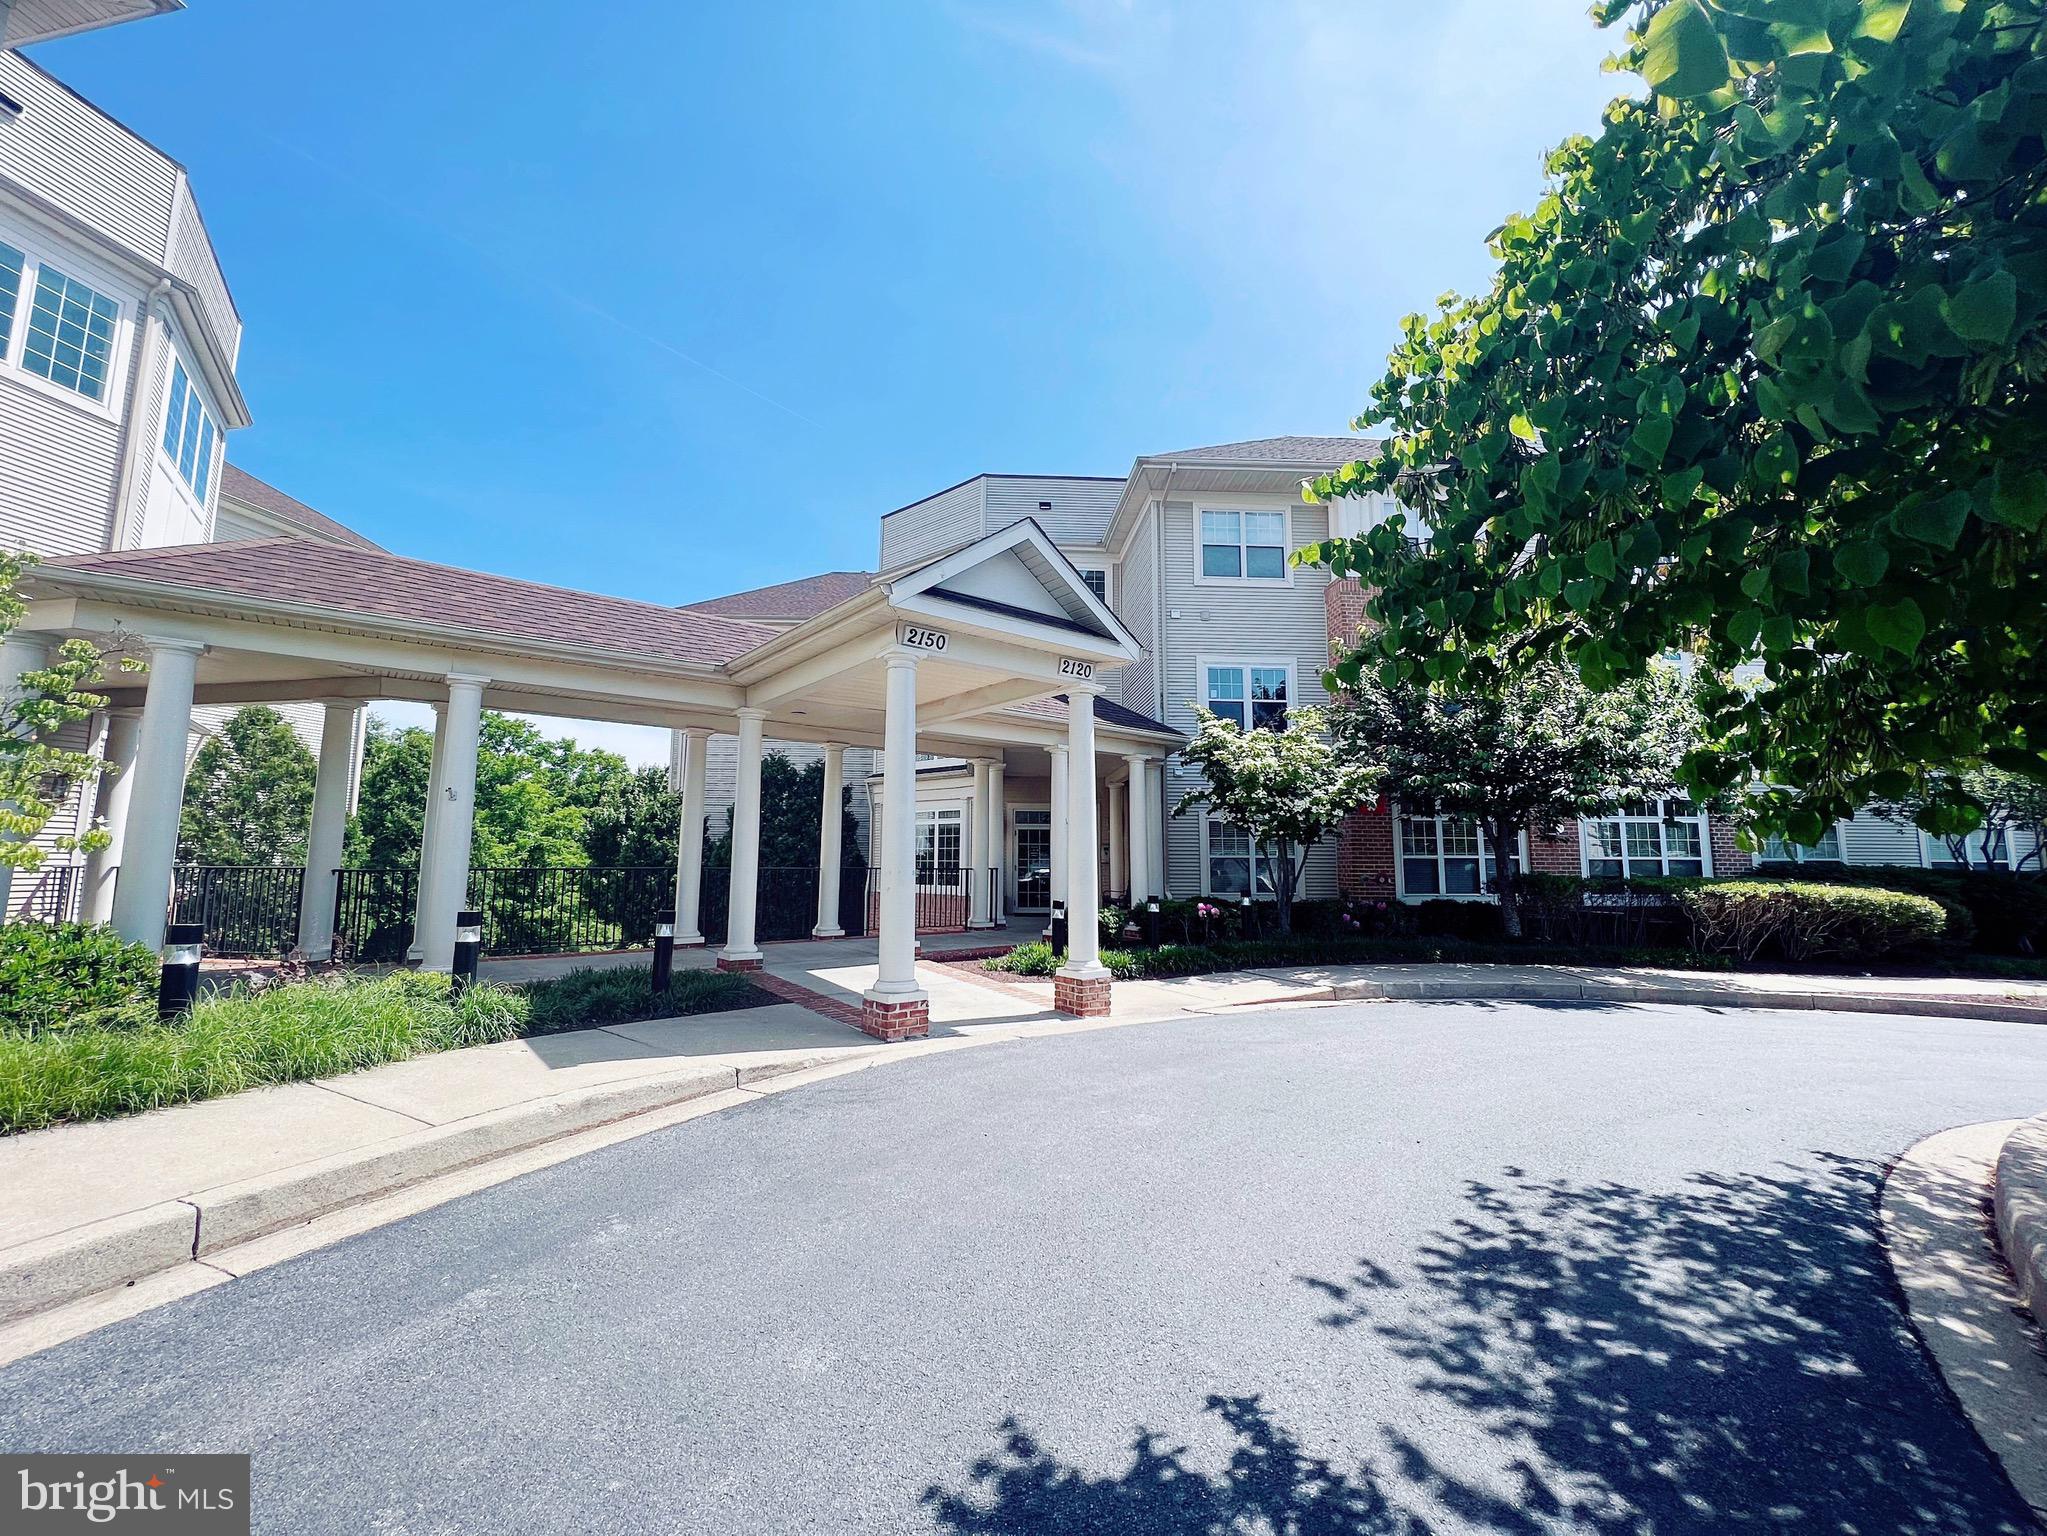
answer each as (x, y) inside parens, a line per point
(1119, 870)
(1083, 899)
(150, 847)
(1155, 825)
(740, 951)
(446, 871)
(1140, 831)
(19, 653)
(424, 898)
(124, 729)
(831, 836)
(330, 823)
(897, 978)
(689, 840)
(981, 855)
(1059, 860)
(998, 819)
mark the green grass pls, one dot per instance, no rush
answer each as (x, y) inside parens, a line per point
(122, 1061)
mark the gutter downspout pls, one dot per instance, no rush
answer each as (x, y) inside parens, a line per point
(148, 361)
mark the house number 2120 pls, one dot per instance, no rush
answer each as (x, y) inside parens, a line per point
(1084, 670)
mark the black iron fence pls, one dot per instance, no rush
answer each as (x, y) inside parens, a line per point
(373, 912)
(246, 909)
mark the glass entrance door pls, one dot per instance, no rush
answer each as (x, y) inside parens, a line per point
(1033, 863)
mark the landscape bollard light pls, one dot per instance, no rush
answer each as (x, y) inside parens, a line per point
(468, 945)
(1058, 930)
(664, 957)
(1250, 918)
(1151, 924)
(177, 988)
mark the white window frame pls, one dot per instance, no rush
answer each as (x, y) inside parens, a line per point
(177, 360)
(1400, 889)
(1933, 851)
(1802, 853)
(1246, 663)
(1698, 815)
(1108, 581)
(36, 253)
(935, 814)
(1260, 889)
(1239, 511)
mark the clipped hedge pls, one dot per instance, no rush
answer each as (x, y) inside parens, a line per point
(54, 975)
(2002, 914)
(1797, 921)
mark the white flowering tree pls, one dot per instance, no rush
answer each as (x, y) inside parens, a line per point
(1287, 787)
(1532, 756)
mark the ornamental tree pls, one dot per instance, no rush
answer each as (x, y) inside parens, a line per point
(1533, 755)
(1288, 787)
(36, 777)
(1758, 378)
(2011, 804)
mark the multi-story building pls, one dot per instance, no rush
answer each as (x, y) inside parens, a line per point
(118, 346)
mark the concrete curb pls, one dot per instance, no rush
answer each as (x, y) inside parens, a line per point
(1566, 991)
(2019, 1196)
(105, 1255)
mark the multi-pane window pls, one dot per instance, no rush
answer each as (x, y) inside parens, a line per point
(938, 845)
(1652, 837)
(1984, 846)
(1249, 546)
(11, 263)
(188, 433)
(1231, 867)
(1097, 583)
(1250, 694)
(1826, 851)
(1447, 856)
(70, 334)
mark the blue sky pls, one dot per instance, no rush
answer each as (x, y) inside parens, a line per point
(667, 300)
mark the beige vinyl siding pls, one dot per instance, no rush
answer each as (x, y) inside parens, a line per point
(75, 156)
(1079, 513)
(936, 524)
(1867, 838)
(192, 258)
(1283, 622)
(1135, 595)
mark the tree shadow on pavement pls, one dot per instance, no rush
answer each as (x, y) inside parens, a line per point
(1725, 1356)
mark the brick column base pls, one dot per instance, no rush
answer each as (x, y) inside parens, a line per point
(895, 1021)
(754, 964)
(1085, 997)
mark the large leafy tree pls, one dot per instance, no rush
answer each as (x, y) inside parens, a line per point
(35, 776)
(249, 794)
(791, 826)
(1531, 756)
(1757, 378)
(1288, 787)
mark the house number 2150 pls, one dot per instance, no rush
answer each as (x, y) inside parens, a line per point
(919, 638)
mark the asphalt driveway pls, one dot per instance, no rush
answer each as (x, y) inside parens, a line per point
(1413, 1268)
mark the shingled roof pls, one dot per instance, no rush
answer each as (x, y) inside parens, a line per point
(789, 601)
(1108, 711)
(1279, 452)
(240, 485)
(358, 584)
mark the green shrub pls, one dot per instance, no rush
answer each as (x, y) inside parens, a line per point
(1111, 920)
(1478, 921)
(1797, 921)
(58, 974)
(241, 1039)
(2005, 914)
(620, 994)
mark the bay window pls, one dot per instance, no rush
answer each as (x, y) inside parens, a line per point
(188, 433)
(1647, 838)
(1447, 856)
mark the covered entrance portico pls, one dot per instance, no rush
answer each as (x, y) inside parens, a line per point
(997, 644)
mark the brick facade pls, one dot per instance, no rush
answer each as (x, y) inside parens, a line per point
(1344, 601)
(1727, 858)
(1556, 855)
(893, 1022)
(1364, 851)
(740, 965)
(1085, 997)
